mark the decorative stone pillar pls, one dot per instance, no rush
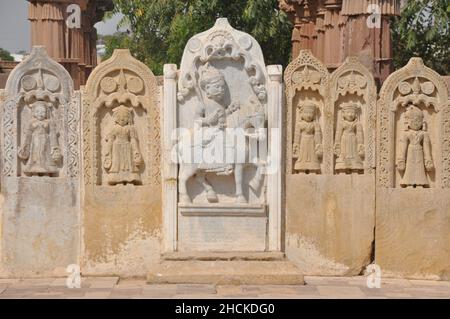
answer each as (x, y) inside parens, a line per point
(372, 45)
(274, 174)
(48, 26)
(336, 29)
(75, 48)
(170, 169)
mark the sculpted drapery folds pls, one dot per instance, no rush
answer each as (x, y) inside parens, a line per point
(414, 155)
(349, 140)
(123, 157)
(40, 148)
(307, 148)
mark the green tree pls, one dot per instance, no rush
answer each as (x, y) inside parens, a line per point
(119, 40)
(423, 30)
(5, 55)
(160, 29)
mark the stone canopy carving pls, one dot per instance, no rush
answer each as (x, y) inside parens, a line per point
(41, 107)
(413, 125)
(121, 123)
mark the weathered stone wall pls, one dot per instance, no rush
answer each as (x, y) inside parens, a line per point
(87, 177)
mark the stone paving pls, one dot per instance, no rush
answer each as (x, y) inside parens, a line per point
(316, 288)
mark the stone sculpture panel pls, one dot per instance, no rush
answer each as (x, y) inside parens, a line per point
(413, 174)
(330, 166)
(223, 114)
(121, 153)
(40, 168)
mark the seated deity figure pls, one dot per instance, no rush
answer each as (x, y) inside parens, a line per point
(40, 148)
(414, 156)
(307, 148)
(349, 145)
(123, 157)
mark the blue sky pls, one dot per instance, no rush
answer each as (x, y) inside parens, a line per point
(15, 28)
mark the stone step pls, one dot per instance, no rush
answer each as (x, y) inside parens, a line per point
(226, 256)
(220, 272)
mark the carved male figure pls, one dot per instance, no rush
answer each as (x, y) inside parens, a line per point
(414, 153)
(40, 148)
(307, 140)
(213, 116)
(349, 140)
(123, 157)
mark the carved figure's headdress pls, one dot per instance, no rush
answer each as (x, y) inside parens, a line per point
(413, 112)
(308, 107)
(209, 74)
(350, 106)
(122, 110)
(42, 104)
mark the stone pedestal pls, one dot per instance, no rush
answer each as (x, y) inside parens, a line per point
(226, 269)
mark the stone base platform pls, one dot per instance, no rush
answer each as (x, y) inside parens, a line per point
(226, 269)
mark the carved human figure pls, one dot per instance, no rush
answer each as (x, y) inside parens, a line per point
(123, 157)
(40, 148)
(212, 117)
(349, 140)
(307, 148)
(414, 151)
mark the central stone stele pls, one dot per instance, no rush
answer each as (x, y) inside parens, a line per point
(222, 175)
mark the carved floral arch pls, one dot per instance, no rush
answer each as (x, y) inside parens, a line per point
(40, 77)
(222, 42)
(122, 79)
(414, 83)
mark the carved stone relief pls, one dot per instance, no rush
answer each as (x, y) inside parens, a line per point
(413, 119)
(306, 80)
(352, 102)
(121, 165)
(413, 174)
(330, 165)
(226, 102)
(40, 164)
(215, 74)
(120, 114)
(42, 110)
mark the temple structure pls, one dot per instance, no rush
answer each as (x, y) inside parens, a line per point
(336, 29)
(74, 46)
